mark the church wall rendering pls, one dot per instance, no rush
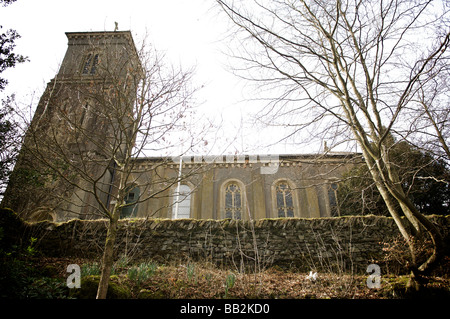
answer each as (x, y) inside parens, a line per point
(246, 187)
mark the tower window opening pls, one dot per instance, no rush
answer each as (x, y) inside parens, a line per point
(90, 64)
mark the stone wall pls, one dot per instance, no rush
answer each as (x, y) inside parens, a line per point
(333, 244)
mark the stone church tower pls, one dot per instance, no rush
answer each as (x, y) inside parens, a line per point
(74, 130)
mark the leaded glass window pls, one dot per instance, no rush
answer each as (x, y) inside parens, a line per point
(285, 205)
(90, 64)
(233, 201)
(130, 210)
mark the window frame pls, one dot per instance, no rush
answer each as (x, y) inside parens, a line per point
(285, 193)
(180, 200)
(294, 194)
(131, 211)
(91, 61)
(243, 199)
(333, 203)
(232, 196)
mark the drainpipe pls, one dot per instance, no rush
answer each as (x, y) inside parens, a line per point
(178, 189)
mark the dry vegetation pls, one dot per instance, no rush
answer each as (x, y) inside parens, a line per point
(202, 280)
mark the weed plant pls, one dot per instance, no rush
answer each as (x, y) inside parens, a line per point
(229, 283)
(142, 272)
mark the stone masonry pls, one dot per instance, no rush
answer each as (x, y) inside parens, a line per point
(323, 244)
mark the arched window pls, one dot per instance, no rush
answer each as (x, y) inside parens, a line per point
(233, 201)
(285, 204)
(183, 199)
(333, 199)
(90, 64)
(131, 198)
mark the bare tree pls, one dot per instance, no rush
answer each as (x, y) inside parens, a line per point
(349, 70)
(9, 133)
(9, 141)
(430, 112)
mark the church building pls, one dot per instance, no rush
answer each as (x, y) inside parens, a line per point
(244, 187)
(202, 187)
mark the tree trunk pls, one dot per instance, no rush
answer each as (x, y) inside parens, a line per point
(389, 201)
(433, 232)
(389, 186)
(108, 255)
(418, 220)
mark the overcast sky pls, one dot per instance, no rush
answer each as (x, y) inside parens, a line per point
(189, 31)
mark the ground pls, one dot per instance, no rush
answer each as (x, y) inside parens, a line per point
(202, 280)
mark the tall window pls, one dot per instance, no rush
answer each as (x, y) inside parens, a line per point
(332, 197)
(233, 201)
(285, 205)
(132, 197)
(90, 64)
(183, 198)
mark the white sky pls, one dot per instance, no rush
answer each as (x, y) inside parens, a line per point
(189, 31)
